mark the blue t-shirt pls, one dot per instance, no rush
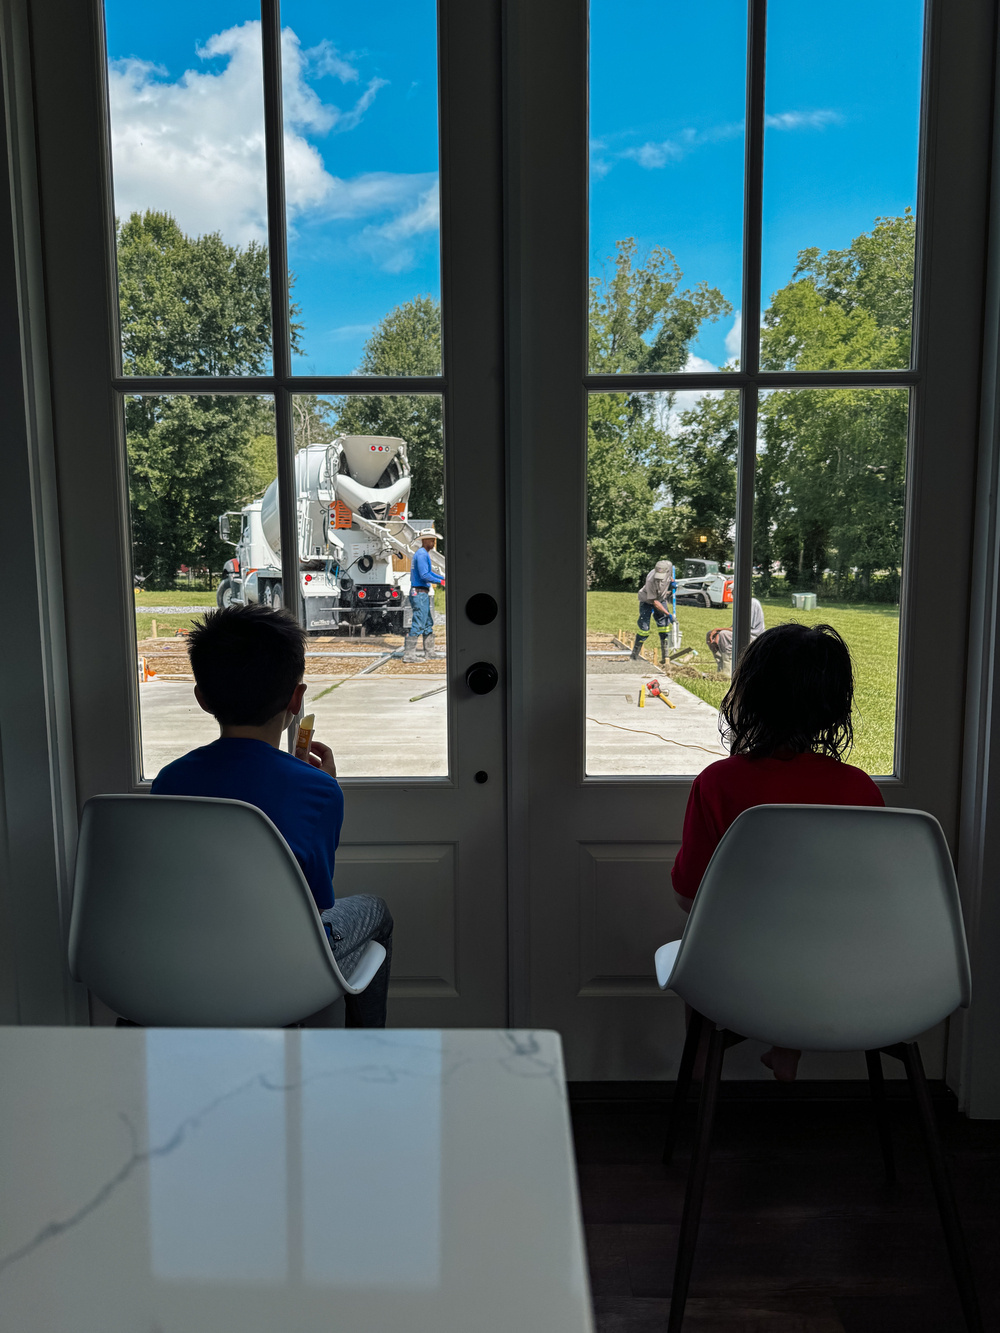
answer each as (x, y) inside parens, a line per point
(421, 574)
(305, 804)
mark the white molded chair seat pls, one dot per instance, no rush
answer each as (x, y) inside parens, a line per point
(824, 928)
(191, 911)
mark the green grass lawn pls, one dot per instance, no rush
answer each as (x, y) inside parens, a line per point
(870, 631)
(179, 597)
(165, 625)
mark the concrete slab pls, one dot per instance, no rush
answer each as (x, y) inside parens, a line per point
(375, 730)
(370, 723)
(655, 741)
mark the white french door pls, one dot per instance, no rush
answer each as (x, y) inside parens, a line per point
(591, 855)
(431, 840)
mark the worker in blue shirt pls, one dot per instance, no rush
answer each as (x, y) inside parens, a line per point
(422, 580)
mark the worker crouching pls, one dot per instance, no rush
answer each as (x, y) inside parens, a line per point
(653, 598)
(422, 581)
(720, 641)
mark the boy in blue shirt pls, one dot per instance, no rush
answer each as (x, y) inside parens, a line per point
(248, 663)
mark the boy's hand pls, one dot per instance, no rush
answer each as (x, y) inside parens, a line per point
(321, 756)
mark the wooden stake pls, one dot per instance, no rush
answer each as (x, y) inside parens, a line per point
(153, 634)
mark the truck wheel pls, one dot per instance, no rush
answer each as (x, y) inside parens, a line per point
(273, 598)
(224, 594)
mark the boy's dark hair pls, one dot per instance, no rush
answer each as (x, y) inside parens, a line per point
(793, 688)
(247, 661)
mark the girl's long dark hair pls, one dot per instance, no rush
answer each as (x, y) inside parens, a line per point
(792, 689)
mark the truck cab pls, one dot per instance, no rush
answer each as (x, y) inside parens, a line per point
(254, 567)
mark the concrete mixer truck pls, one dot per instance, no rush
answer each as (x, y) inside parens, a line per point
(354, 538)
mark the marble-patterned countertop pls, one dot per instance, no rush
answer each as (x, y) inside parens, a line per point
(216, 1181)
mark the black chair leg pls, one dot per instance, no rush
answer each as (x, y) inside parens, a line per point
(909, 1054)
(876, 1083)
(696, 1025)
(688, 1239)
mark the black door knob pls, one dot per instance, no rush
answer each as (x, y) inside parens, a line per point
(482, 677)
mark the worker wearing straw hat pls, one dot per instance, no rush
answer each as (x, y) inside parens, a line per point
(422, 580)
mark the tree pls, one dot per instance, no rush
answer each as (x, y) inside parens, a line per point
(191, 306)
(702, 475)
(639, 323)
(406, 342)
(830, 480)
(315, 420)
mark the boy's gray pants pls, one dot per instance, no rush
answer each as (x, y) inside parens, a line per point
(353, 921)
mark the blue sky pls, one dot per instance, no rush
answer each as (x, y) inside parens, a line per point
(667, 92)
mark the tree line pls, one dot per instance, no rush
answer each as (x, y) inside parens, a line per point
(662, 480)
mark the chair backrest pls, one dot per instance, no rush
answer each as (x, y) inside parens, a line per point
(193, 912)
(826, 928)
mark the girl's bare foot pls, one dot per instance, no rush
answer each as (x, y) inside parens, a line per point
(783, 1063)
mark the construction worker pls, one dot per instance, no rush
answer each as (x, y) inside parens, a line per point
(422, 580)
(721, 640)
(653, 598)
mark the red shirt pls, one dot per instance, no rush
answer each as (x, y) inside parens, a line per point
(730, 786)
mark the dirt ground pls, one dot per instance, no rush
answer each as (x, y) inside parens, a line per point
(701, 667)
(168, 656)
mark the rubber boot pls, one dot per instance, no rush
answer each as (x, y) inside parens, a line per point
(429, 645)
(410, 647)
(637, 647)
(724, 665)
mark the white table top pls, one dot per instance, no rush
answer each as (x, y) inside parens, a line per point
(179, 1181)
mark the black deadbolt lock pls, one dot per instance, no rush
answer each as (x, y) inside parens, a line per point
(481, 609)
(481, 677)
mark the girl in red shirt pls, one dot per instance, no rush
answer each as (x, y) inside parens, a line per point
(787, 722)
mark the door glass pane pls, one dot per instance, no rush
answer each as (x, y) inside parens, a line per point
(840, 183)
(199, 467)
(361, 176)
(370, 474)
(661, 487)
(828, 523)
(187, 141)
(667, 98)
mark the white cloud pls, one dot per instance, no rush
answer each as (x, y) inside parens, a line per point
(734, 339)
(803, 120)
(194, 146)
(654, 155)
(325, 59)
(390, 242)
(346, 331)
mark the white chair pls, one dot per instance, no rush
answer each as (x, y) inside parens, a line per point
(821, 928)
(193, 912)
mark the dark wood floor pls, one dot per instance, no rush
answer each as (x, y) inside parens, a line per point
(800, 1232)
